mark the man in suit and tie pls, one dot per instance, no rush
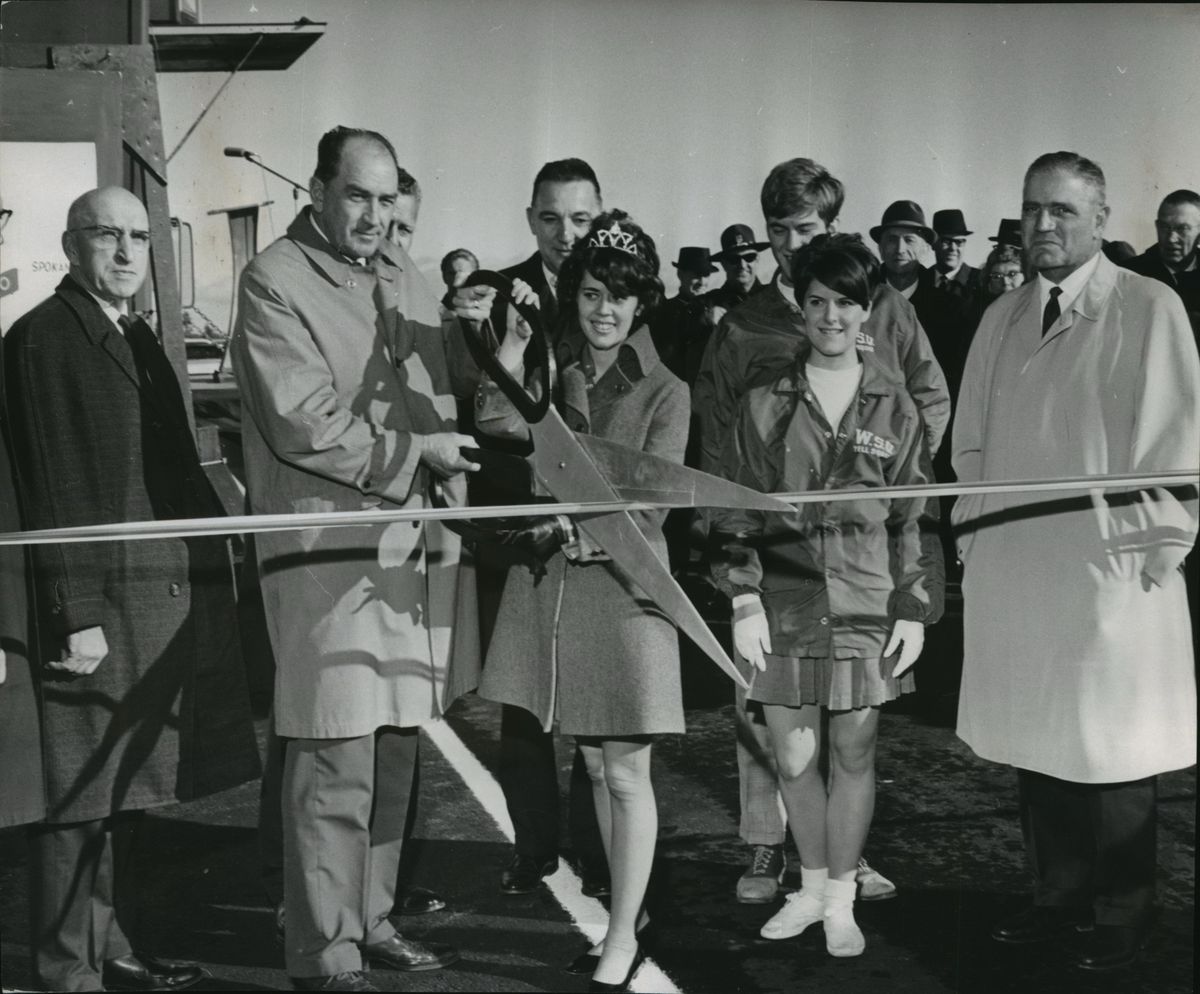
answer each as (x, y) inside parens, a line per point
(143, 693)
(1175, 258)
(1078, 667)
(951, 273)
(566, 197)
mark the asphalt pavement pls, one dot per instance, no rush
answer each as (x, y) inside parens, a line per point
(945, 832)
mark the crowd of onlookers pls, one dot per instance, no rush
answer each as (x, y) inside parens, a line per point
(856, 366)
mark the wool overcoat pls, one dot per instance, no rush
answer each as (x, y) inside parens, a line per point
(101, 435)
(582, 644)
(341, 365)
(1078, 653)
(22, 790)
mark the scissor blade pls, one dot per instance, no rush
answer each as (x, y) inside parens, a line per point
(634, 556)
(566, 470)
(637, 475)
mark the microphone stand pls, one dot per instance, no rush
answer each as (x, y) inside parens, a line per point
(297, 189)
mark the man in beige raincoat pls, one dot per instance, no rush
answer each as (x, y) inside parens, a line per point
(349, 405)
(1078, 663)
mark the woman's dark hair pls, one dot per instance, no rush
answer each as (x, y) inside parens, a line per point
(842, 262)
(618, 253)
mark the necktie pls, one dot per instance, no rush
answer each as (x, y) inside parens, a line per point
(1052, 312)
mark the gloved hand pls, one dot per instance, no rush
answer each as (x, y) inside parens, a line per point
(541, 536)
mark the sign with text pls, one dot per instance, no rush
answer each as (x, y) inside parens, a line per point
(38, 181)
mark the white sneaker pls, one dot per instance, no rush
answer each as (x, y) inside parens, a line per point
(843, 937)
(872, 885)
(800, 909)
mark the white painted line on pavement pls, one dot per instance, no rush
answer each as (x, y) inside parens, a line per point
(587, 913)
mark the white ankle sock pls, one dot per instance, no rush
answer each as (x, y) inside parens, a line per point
(814, 881)
(843, 937)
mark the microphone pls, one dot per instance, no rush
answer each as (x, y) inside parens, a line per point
(238, 153)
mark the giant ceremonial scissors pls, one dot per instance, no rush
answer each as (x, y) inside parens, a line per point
(576, 467)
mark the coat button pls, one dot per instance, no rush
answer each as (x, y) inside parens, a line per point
(351, 284)
(824, 619)
(175, 590)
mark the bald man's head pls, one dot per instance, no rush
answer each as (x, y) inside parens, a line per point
(107, 242)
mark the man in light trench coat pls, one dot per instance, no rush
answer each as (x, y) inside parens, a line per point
(1078, 663)
(350, 405)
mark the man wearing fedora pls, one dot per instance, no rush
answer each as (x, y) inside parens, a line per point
(680, 328)
(902, 236)
(951, 273)
(738, 256)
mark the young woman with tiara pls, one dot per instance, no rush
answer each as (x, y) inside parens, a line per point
(581, 645)
(829, 602)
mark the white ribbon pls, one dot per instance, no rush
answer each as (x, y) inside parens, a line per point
(254, 523)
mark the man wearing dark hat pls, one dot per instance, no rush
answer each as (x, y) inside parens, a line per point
(738, 255)
(951, 273)
(1009, 233)
(902, 235)
(681, 327)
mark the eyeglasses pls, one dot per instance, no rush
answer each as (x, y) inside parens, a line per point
(1000, 277)
(110, 238)
(5, 214)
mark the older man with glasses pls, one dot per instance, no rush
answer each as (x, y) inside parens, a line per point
(143, 692)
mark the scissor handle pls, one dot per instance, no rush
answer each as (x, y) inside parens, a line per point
(530, 409)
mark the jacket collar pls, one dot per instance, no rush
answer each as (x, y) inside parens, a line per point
(335, 266)
(98, 329)
(636, 356)
(877, 381)
(1092, 297)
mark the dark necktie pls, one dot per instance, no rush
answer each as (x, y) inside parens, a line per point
(1052, 311)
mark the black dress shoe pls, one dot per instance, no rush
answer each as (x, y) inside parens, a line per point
(352, 980)
(595, 884)
(524, 874)
(1111, 947)
(418, 901)
(399, 953)
(133, 973)
(1040, 923)
(638, 958)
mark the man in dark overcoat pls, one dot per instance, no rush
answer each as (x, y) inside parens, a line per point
(22, 794)
(143, 691)
(1174, 258)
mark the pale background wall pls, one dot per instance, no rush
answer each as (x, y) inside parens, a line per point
(682, 106)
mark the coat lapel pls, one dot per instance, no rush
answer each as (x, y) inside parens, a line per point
(98, 328)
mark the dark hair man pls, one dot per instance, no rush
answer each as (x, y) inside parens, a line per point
(565, 200)
(405, 211)
(800, 200)
(1078, 667)
(348, 385)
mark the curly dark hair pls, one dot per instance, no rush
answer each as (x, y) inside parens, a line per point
(842, 262)
(626, 274)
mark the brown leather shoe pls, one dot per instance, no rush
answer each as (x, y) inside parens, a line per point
(407, 955)
(133, 973)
